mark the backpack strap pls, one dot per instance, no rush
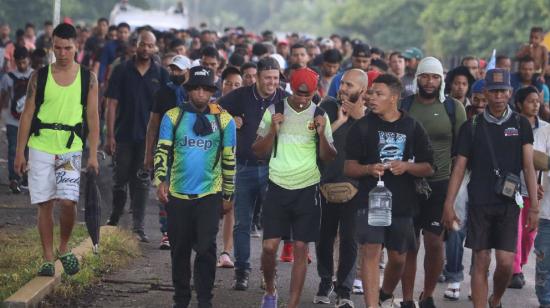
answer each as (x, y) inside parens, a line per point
(450, 108)
(220, 146)
(318, 112)
(41, 78)
(84, 89)
(279, 108)
(407, 102)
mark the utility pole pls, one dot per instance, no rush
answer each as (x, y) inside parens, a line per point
(56, 12)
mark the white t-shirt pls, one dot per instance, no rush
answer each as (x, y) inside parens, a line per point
(6, 84)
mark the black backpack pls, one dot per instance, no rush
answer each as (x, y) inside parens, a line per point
(80, 129)
(280, 108)
(450, 108)
(19, 92)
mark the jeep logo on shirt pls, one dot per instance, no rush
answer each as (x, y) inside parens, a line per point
(205, 145)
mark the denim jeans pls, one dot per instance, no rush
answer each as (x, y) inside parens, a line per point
(542, 273)
(250, 182)
(11, 132)
(454, 250)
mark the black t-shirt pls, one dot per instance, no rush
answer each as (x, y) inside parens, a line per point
(372, 140)
(135, 94)
(333, 172)
(165, 99)
(246, 102)
(507, 140)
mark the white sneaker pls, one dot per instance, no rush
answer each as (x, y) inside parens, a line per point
(357, 287)
(453, 291)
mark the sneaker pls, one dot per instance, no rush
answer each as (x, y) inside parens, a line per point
(344, 302)
(516, 282)
(453, 291)
(141, 236)
(427, 302)
(164, 242)
(14, 187)
(408, 304)
(357, 287)
(269, 301)
(224, 261)
(323, 294)
(287, 255)
(24, 183)
(255, 232)
(241, 280)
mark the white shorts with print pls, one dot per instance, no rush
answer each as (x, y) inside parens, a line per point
(54, 176)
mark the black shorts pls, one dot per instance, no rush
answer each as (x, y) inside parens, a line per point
(492, 227)
(292, 212)
(399, 236)
(430, 211)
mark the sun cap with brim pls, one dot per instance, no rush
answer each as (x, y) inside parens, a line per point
(200, 76)
(497, 79)
(431, 65)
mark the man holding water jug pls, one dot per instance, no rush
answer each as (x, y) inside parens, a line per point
(387, 151)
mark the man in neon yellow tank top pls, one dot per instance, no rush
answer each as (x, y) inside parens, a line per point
(55, 146)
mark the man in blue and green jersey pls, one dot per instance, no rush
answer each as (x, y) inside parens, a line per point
(197, 144)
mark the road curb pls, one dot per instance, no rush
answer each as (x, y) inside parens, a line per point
(34, 291)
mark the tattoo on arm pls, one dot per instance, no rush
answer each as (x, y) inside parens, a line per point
(93, 80)
(31, 88)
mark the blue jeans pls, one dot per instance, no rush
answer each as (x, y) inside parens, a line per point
(542, 273)
(454, 250)
(250, 182)
(11, 132)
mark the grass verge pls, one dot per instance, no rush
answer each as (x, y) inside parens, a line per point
(117, 249)
(22, 255)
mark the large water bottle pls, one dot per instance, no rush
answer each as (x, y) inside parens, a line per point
(380, 199)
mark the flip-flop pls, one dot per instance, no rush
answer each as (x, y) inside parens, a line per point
(70, 263)
(47, 269)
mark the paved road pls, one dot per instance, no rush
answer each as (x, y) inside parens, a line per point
(147, 283)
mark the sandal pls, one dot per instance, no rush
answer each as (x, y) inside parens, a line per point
(453, 291)
(70, 263)
(47, 269)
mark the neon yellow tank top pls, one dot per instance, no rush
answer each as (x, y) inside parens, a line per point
(61, 105)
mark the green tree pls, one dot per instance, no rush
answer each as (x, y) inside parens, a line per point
(388, 24)
(458, 28)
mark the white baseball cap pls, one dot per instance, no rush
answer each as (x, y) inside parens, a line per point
(181, 62)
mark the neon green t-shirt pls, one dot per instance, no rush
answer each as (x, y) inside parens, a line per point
(295, 166)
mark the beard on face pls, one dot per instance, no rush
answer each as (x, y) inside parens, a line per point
(427, 95)
(353, 97)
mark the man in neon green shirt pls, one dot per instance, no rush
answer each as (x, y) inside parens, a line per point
(295, 132)
(54, 115)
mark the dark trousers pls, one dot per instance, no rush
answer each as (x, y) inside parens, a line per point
(334, 218)
(128, 160)
(193, 225)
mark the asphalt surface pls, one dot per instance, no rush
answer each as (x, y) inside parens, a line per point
(146, 282)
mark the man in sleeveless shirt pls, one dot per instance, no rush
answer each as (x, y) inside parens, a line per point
(55, 149)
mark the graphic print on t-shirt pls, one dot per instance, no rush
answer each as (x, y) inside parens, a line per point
(391, 146)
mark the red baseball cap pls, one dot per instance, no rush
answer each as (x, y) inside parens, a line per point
(372, 76)
(304, 80)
